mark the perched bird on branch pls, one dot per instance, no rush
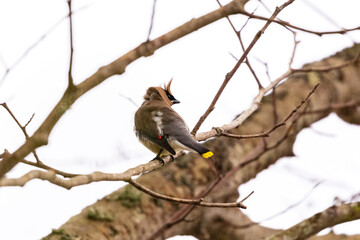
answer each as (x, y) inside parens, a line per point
(161, 129)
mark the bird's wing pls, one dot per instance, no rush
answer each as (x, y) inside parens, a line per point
(176, 127)
(163, 143)
(148, 122)
(173, 124)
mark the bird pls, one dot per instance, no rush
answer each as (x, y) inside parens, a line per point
(161, 129)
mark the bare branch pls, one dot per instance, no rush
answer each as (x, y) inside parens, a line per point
(199, 202)
(152, 20)
(79, 179)
(288, 208)
(332, 216)
(40, 164)
(238, 34)
(37, 42)
(237, 65)
(323, 14)
(70, 78)
(274, 105)
(327, 68)
(17, 121)
(286, 24)
(129, 99)
(184, 211)
(267, 133)
(294, 49)
(350, 104)
(256, 103)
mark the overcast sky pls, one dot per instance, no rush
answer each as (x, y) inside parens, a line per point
(96, 133)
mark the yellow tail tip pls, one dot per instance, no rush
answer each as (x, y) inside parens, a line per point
(207, 154)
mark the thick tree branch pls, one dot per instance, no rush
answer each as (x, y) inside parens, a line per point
(328, 218)
(79, 180)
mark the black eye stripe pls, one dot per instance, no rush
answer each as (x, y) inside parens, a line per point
(171, 97)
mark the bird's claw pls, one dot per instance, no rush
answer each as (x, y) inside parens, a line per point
(160, 159)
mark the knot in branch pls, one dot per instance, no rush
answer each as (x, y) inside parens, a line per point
(219, 131)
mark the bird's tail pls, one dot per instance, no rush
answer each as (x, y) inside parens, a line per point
(199, 148)
(207, 154)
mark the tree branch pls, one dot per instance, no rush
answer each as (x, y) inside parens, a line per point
(33, 45)
(282, 123)
(332, 216)
(70, 78)
(256, 103)
(237, 65)
(199, 202)
(286, 24)
(152, 20)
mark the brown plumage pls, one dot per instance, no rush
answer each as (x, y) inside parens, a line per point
(160, 128)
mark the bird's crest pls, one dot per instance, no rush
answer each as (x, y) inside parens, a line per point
(166, 94)
(167, 87)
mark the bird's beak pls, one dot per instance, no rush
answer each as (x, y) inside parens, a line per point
(175, 101)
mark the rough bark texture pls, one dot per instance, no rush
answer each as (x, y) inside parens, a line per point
(130, 214)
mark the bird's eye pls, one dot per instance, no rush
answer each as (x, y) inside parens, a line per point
(169, 96)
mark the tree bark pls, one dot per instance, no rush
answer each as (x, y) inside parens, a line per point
(130, 214)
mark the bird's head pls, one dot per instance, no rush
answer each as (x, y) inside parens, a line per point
(159, 93)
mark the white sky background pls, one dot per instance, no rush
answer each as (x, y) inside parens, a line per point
(96, 133)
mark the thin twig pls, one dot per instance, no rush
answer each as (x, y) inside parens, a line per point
(152, 21)
(323, 14)
(260, 150)
(184, 211)
(286, 24)
(17, 121)
(332, 216)
(274, 105)
(294, 49)
(334, 106)
(256, 102)
(327, 68)
(247, 61)
(288, 208)
(237, 65)
(199, 201)
(70, 78)
(23, 129)
(282, 123)
(33, 45)
(38, 163)
(129, 99)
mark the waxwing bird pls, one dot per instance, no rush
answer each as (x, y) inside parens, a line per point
(159, 128)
